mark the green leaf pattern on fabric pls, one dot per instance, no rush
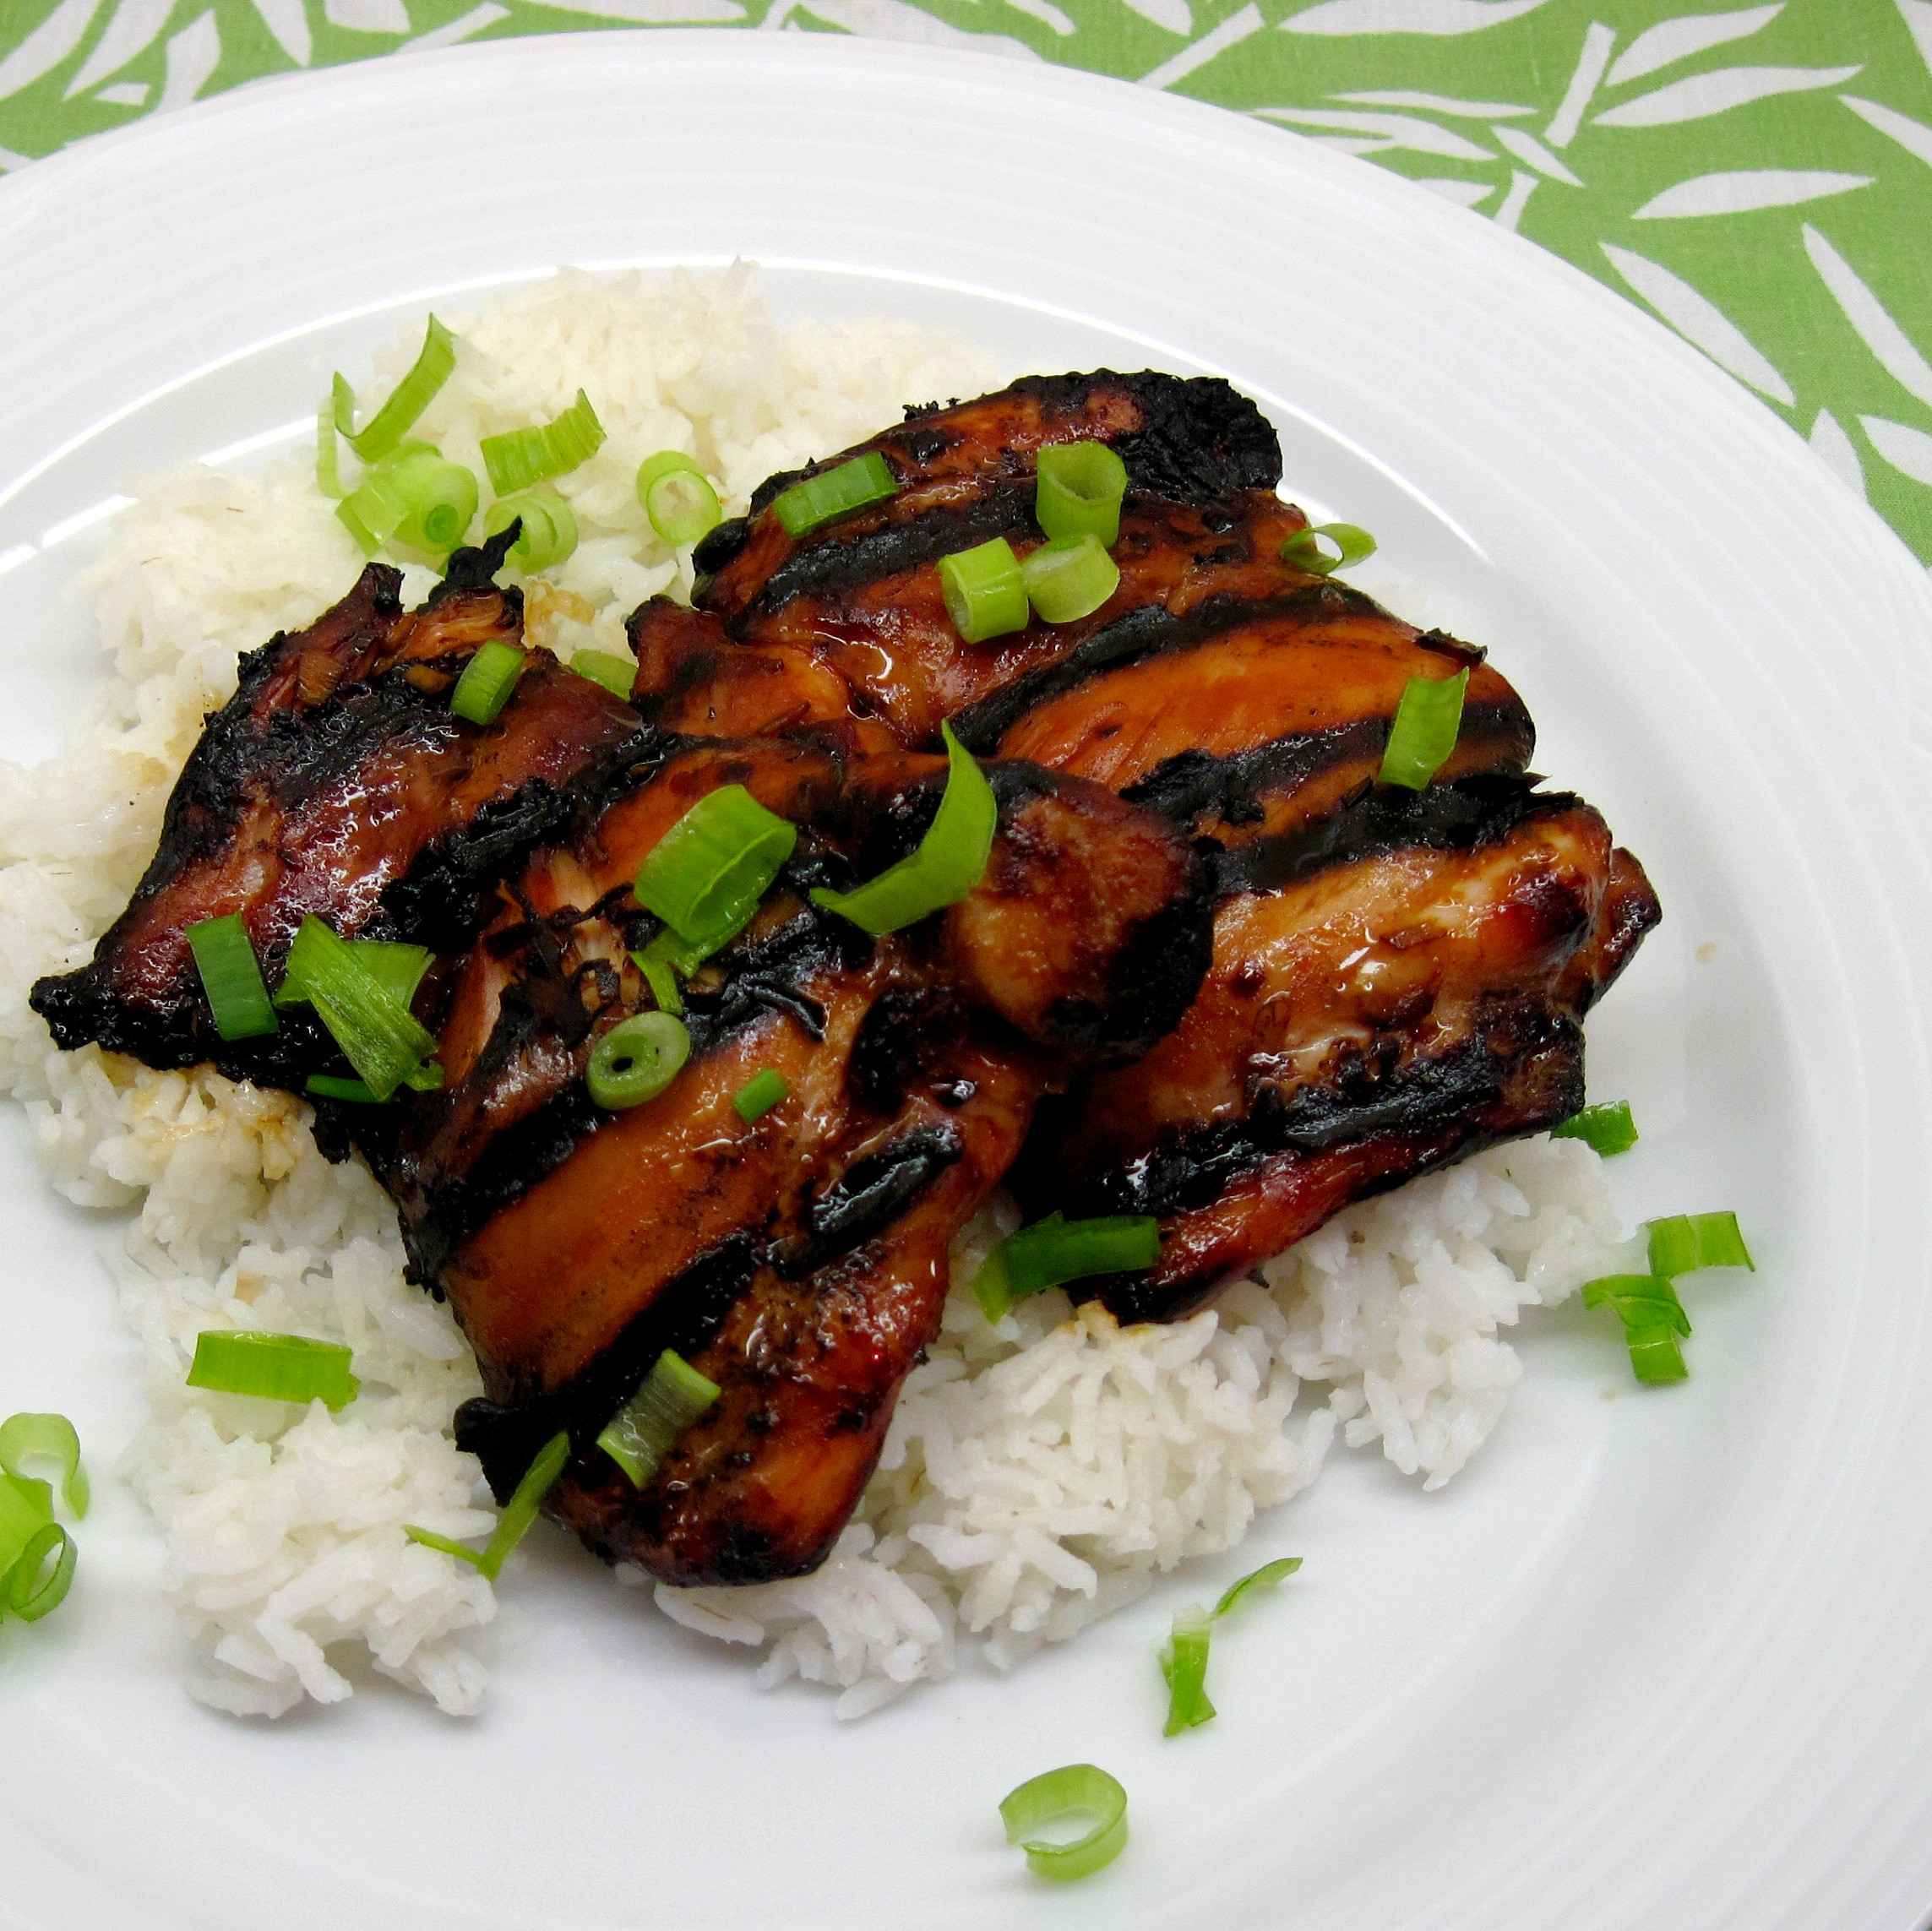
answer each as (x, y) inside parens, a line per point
(1754, 175)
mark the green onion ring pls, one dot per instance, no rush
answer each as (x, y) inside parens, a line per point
(985, 593)
(1265, 1577)
(488, 680)
(393, 421)
(678, 498)
(641, 1434)
(636, 1060)
(1079, 492)
(379, 1035)
(232, 978)
(707, 873)
(1183, 1664)
(1427, 722)
(273, 1367)
(1607, 1129)
(27, 1595)
(1056, 1250)
(1076, 1791)
(1304, 549)
(760, 1093)
(1684, 1243)
(549, 533)
(606, 667)
(521, 457)
(47, 1438)
(824, 498)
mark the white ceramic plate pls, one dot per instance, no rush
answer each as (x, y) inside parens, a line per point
(1658, 1659)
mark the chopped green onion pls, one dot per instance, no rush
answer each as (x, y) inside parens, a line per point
(521, 457)
(678, 498)
(375, 510)
(950, 861)
(398, 965)
(1079, 1791)
(1424, 731)
(832, 493)
(413, 394)
(706, 874)
(45, 1437)
(518, 1513)
(636, 1060)
(760, 1093)
(606, 667)
(331, 1086)
(32, 1593)
(1265, 1577)
(1686, 1241)
(1607, 1128)
(278, 1368)
(1056, 1250)
(682, 955)
(1069, 578)
(1653, 1319)
(232, 978)
(985, 594)
(549, 532)
(1306, 548)
(438, 499)
(1183, 1663)
(381, 1038)
(659, 976)
(639, 1435)
(1079, 491)
(327, 454)
(486, 682)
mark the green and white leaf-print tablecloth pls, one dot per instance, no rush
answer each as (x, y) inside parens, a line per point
(1760, 176)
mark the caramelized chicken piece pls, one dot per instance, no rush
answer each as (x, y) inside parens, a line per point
(336, 780)
(799, 1261)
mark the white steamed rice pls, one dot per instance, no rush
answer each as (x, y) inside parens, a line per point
(1037, 1475)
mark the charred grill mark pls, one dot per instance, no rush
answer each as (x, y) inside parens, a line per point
(1151, 631)
(866, 1198)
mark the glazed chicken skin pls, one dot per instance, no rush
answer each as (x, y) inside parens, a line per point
(799, 1261)
(1399, 979)
(336, 780)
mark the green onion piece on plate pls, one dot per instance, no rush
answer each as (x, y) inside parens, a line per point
(32, 1589)
(1069, 578)
(486, 682)
(549, 532)
(606, 667)
(636, 1060)
(1056, 1250)
(678, 498)
(25, 1439)
(333, 1087)
(950, 861)
(832, 493)
(1424, 731)
(661, 978)
(1308, 549)
(1079, 491)
(328, 451)
(438, 499)
(380, 1037)
(518, 1513)
(760, 1093)
(1687, 1241)
(1183, 1664)
(639, 1435)
(375, 510)
(521, 457)
(278, 1368)
(1654, 1321)
(985, 594)
(705, 876)
(1079, 1792)
(393, 421)
(398, 965)
(232, 978)
(1265, 1577)
(1607, 1128)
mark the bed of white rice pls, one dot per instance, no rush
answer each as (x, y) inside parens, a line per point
(1037, 1475)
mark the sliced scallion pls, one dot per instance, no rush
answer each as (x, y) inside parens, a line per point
(332, 1087)
(759, 1094)
(521, 457)
(678, 498)
(832, 493)
(1265, 1577)
(549, 532)
(1056, 1250)
(706, 874)
(1308, 549)
(381, 1038)
(1069, 578)
(1078, 1792)
(32, 1589)
(518, 1513)
(1684, 1243)
(26, 1438)
(231, 977)
(663, 979)
(1424, 731)
(486, 682)
(398, 965)
(639, 1435)
(1607, 1128)
(606, 667)
(950, 860)
(1654, 1321)
(328, 451)
(1183, 1664)
(1080, 491)
(375, 510)
(438, 499)
(985, 594)
(413, 394)
(278, 1368)
(636, 1060)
